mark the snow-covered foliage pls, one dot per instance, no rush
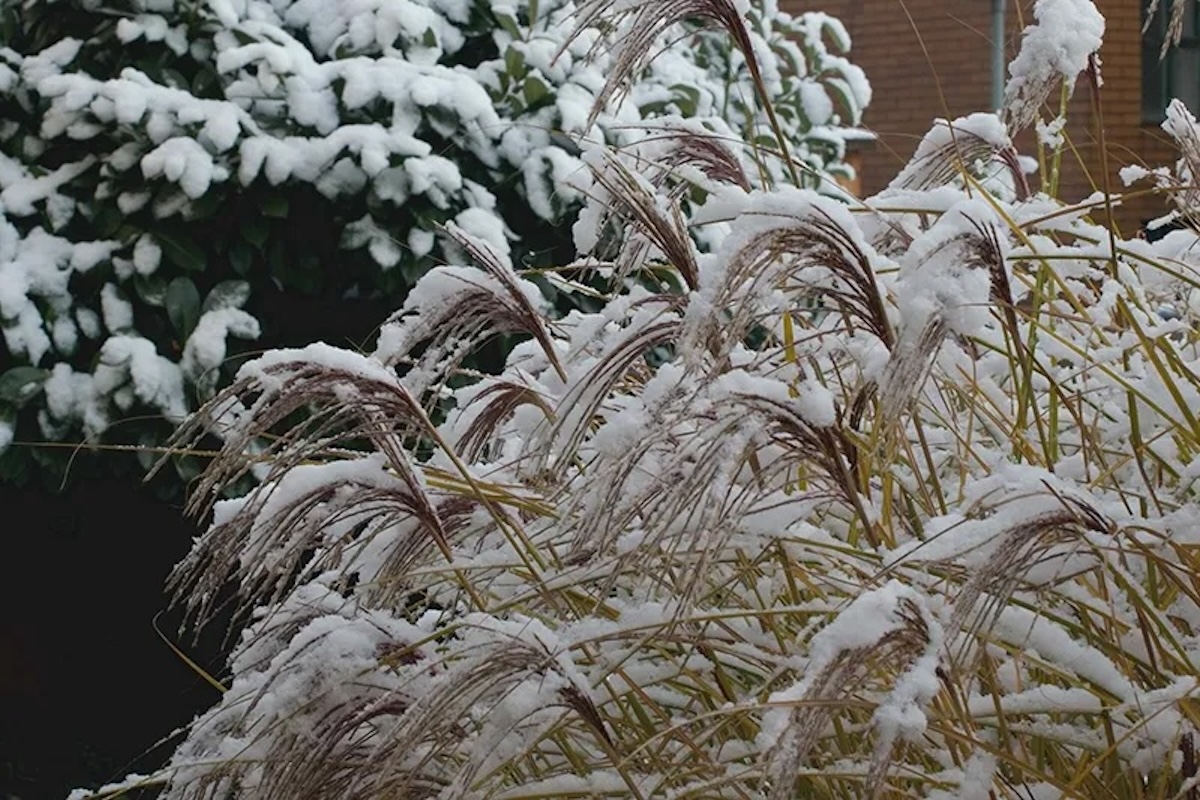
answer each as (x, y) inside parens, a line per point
(889, 499)
(1057, 47)
(159, 159)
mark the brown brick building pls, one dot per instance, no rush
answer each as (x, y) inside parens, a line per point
(933, 58)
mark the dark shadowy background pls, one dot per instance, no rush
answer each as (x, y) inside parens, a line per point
(86, 685)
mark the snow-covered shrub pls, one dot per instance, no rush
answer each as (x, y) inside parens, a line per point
(890, 499)
(169, 168)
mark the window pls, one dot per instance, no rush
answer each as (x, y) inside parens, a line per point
(1177, 75)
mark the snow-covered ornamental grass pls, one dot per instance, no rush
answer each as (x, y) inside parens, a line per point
(166, 166)
(891, 499)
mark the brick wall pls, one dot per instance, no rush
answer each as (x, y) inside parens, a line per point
(932, 58)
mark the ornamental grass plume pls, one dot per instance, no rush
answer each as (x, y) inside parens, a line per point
(892, 498)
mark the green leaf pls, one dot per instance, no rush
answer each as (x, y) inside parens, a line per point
(508, 24)
(227, 294)
(276, 206)
(255, 231)
(205, 206)
(21, 384)
(241, 258)
(206, 78)
(174, 78)
(10, 24)
(182, 252)
(14, 467)
(152, 289)
(562, 140)
(687, 98)
(106, 220)
(429, 39)
(183, 306)
(844, 99)
(514, 62)
(444, 121)
(535, 91)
